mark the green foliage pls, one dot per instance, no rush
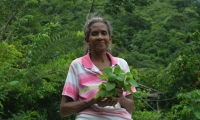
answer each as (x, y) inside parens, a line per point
(29, 115)
(184, 68)
(44, 42)
(114, 78)
(146, 115)
(8, 54)
(113, 6)
(148, 74)
(37, 85)
(40, 38)
(189, 106)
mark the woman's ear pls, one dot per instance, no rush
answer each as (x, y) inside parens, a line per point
(110, 38)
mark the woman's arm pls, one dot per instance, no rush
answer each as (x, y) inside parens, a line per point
(69, 106)
(127, 103)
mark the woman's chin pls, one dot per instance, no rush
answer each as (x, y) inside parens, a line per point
(100, 49)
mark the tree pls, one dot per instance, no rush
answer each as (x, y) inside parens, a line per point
(11, 12)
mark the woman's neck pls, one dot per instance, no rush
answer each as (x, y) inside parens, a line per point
(99, 57)
(100, 60)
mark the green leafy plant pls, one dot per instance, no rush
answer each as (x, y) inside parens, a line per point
(114, 78)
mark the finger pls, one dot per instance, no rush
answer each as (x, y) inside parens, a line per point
(111, 103)
(103, 102)
(119, 90)
(119, 99)
(108, 102)
(98, 99)
(104, 99)
(114, 102)
(119, 93)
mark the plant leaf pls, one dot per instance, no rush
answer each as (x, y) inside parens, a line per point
(112, 77)
(102, 93)
(103, 77)
(125, 82)
(110, 85)
(115, 92)
(129, 75)
(117, 70)
(121, 76)
(110, 93)
(107, 70)
(125, 88)
(101, 86)
(97, 95)
(132, 82)
(13, 82)
(197, 112)
(129, 89)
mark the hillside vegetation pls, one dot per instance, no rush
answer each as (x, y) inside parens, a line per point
(160, 40)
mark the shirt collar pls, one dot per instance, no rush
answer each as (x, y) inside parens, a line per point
(87, 62)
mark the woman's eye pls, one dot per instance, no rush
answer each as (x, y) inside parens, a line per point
(104, 33)
(94, 34)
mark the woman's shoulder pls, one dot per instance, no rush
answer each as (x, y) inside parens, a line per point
(123, 64)
(120, 60)
(76, 61)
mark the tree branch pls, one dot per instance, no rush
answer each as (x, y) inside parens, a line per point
(4, 27)
(8, 37)
(92, 7)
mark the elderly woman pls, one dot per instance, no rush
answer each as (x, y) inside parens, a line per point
(82, 81)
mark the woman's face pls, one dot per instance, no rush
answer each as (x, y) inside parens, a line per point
(99, 38)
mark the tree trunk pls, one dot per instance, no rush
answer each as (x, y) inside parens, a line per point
(92, 7)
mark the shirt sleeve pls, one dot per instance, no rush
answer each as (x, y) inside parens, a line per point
(127, 69)
(71, 84)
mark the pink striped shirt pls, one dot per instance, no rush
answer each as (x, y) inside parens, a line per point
(82, 83)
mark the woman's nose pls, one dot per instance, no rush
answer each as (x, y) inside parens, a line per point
(100, 36)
